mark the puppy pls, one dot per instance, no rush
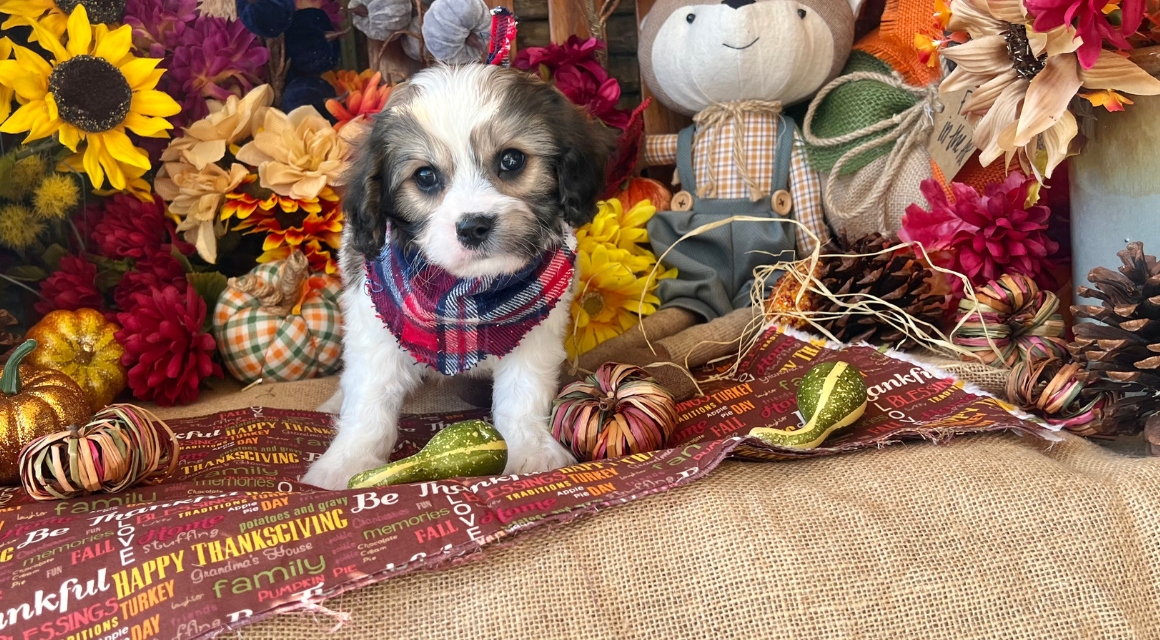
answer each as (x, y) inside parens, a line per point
(458, 257)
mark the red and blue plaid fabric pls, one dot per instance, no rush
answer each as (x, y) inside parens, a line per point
(450, 323)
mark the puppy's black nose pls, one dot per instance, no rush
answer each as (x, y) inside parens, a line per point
(473, 229)
(737, 4)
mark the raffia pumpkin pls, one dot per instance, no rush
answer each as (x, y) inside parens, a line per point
(280, 322)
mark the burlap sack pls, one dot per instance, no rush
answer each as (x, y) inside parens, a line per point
(986, 537)
(904, 191)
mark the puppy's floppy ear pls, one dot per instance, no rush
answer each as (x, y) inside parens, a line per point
(585, 146)
(369, 203)
(368, 197)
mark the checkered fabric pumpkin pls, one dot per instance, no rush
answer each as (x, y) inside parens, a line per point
(280, 323)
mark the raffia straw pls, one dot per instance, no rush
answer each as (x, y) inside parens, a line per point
(931, 337)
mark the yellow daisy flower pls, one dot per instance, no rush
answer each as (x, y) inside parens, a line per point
(92, 91)
(623, 229)
(608, 299)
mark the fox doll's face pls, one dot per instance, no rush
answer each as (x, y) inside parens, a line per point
(694, 54)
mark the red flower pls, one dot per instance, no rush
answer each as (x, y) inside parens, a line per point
(158, 270)
(1090, 22)
(573, 52)
(72, 287)
(986, 236)
(595, 91)
(129, 228)
(165, 348)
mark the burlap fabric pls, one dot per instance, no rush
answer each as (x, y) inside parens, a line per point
(853, 107)
(985, 537)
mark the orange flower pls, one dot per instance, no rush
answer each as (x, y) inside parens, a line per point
(345, 81)
(361, 102)
(312, 226)
(248, 198)
(1107, 99)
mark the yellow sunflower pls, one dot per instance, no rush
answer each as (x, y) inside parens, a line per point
(608, 299)
(5, 91)
(92, 91)
(21, 12)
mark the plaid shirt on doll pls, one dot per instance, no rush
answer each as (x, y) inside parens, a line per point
(713, 151)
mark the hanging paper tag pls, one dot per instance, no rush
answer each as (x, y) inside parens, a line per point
(952, 141)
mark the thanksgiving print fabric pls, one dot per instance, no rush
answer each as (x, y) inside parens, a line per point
(233, 536)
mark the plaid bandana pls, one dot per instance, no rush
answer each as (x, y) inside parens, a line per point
(451, 324)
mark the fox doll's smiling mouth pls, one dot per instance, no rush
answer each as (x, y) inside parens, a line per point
(745, 47)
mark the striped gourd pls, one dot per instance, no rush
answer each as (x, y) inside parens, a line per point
(831, 396)
(464, 449)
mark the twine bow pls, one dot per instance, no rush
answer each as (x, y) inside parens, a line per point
(713, 119)
(905, 129)
(285, 296)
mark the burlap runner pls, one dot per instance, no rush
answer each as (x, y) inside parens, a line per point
(989, 536)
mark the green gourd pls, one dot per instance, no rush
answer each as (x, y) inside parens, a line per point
(831, 396)
(464, 449)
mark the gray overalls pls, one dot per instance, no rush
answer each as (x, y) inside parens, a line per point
(715, 269)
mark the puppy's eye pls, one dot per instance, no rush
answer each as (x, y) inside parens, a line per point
(512, 160)
(690, 18)
(802, 14)
(426, 179)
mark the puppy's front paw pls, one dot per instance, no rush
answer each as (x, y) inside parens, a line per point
(333, 473)
(537, 455)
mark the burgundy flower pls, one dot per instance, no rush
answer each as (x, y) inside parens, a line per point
(158, 270)
(1090, 22)
(165, 348)
(985, 236)
(595, 91)
(129, 228)
(573, 52)
(158, 24)
(72, 287)
(214, 59)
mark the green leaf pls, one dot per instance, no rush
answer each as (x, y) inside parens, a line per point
(209, 286)
(6, 164)
(52, 256)
(180, 257)
(107, 279)
(123, 265)
(27, 273)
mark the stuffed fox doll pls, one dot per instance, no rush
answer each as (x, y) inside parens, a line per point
(733, 66)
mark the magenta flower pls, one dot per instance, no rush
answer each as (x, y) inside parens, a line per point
(596, 92)
(214, 59)
(1090, 22)
(158, 24)
(573, 52)
(985, 236)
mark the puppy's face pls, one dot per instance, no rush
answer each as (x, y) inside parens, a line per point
(480, 168)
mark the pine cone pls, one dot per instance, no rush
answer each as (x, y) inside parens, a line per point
(1121, 350)
(894, 276)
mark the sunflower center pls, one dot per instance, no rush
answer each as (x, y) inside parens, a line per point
(90, 93)
(1023, 59)
(99, 11)
(592, 303)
